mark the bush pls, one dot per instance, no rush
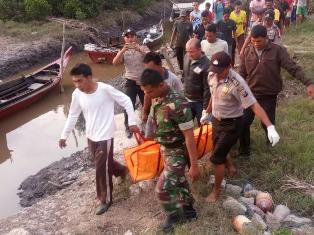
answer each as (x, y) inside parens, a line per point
(81, 9)
(11, 9)
(37, 9)
(57, 7)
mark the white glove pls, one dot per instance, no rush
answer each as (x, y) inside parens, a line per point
(273, 135)
(205, 117)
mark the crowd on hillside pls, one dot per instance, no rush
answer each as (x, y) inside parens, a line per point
(210, 90)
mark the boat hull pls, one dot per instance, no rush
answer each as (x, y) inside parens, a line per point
(12, 100)
(101, 57)
(27, 101)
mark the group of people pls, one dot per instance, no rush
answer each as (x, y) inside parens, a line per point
(210, 90)
(234, 20)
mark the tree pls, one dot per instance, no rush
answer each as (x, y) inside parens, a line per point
(37, 9)
(11, 9)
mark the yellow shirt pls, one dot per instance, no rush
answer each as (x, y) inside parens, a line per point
(240, 21)
(277, 14)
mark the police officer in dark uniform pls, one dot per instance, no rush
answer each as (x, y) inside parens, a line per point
(229, 96)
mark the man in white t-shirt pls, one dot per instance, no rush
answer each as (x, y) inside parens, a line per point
(195, 15)
(212, 44)
(96, 101)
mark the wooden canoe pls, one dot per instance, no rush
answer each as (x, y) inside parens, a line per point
(22, 92)
(152, 36)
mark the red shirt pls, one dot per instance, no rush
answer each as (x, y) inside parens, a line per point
(210, 17)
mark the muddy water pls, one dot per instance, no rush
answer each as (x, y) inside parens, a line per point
(29, 138)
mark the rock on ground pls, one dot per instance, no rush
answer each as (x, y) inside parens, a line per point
(233, 190)
(234, 207)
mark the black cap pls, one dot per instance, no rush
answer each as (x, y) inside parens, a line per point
(270, 14)
(219, 62)
(128, 32)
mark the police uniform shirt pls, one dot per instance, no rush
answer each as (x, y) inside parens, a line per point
(229, 96)
(133, 63)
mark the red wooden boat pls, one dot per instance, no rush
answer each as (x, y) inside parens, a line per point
(99, 54)
(22, 92)
(151, 37)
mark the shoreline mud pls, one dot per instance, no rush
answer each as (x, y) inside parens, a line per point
(18, 54)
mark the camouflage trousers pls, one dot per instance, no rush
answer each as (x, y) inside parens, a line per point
(172, 188)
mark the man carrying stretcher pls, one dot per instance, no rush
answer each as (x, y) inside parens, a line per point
(174, 132)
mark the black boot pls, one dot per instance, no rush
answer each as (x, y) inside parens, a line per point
(189, 212)
(171, 221)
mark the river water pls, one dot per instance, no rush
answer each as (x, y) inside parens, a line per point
(29, 138)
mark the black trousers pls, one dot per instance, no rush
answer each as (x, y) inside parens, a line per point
(225, 134)
(268, 103)
(132, 90)
(180, 51)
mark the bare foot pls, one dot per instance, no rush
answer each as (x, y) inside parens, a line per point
(212, 197)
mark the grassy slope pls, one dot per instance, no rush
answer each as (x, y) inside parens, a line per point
(294, 155)
(268, 167)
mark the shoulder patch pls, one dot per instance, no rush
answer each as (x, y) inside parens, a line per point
(243, 92)
(235, 81)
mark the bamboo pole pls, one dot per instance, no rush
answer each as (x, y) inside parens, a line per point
(62, 59)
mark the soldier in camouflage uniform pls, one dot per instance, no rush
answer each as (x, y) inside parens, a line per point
(174, 131)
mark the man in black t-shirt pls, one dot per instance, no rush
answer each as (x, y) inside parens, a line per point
(199, 31)
(182, 31)
(227, 29)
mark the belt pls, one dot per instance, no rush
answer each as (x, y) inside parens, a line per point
(227, 119)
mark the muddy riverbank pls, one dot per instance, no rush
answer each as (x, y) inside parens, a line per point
(18, 54)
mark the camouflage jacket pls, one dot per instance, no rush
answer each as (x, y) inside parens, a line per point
(171, 115)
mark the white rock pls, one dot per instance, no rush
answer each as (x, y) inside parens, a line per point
(18, 231)
(135, 189)
(117, 180)
(281, 212)
(303, 230)
(267, 233)
(147, 185)
(233, 190)
(293, 220)
(128, 232)
(256, 219)
(234, 207)
(272, 221)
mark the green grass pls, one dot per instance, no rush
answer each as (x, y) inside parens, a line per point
(29, 29)
(268, 167)
(301, 44)
(294, 155)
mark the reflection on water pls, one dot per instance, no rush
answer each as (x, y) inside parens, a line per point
(29, 138)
